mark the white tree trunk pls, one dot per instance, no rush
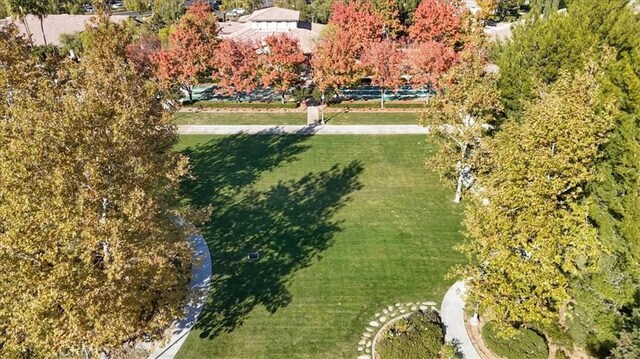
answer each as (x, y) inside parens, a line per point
(461, 167)
(458, 196)
(381, 97)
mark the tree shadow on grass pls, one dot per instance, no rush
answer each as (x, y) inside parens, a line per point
(289, 224)
(223, 167)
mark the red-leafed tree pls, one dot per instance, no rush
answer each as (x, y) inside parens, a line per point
(191, 49)
(334, 61)
(437, 20)
(141, 51)
(237, 67)
(281, 62)
(358, 20)
(427, 61)
(353, 26)
(383, 63)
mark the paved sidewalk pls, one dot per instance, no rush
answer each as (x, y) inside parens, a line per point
(452, 313)
(200, 283)
(303, 130)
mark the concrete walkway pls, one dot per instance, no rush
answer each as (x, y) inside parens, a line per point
(452, 313)
(303, 130)
(200, 282)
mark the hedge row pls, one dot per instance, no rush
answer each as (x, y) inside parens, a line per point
(231, 104)
(291, 105)
(354, 105)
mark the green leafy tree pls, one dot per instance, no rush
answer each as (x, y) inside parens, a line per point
(628, 345)
(528, 228)
(389, 11)
(138, 6)
(166, 12)
(91, 253)
(460, 117)
(543, 48)
(318, 11)
(72, 43)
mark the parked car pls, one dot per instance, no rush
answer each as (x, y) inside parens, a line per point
(235, 12)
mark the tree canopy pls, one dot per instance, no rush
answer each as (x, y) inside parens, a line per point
(92, 255)
(589, 281)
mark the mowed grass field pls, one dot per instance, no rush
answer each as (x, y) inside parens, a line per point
(344, 225)
(294, 118)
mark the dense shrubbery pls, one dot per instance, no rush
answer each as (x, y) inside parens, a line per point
(527, 344)
(375, 104)
(231, 104)
(418, 336)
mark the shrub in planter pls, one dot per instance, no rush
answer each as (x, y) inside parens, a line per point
(526, 344)
(417, 336)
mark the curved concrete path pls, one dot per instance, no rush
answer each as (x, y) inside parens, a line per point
(452, 314)
(302, 130)
(200, 282)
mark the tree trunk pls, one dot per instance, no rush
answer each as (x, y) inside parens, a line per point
(458, 196)
(27, 30)
(44, 36)
(282, 97)
(381, 97)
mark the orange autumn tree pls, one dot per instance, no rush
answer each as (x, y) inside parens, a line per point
(281, 62)
(383, 63)
(427, 61)
(192, 45)
(353, 27)
(236, 67)
(334, 61)
(437, 20)
(358, 20)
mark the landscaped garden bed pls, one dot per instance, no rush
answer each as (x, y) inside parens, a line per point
(295, 118)
(415, 336)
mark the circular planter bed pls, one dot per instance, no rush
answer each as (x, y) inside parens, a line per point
(419, 335)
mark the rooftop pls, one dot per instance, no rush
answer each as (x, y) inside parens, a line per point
(272, 14)
(56, 25)
(306, 36)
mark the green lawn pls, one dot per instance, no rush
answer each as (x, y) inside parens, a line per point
(295, 118)
(343, 224)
